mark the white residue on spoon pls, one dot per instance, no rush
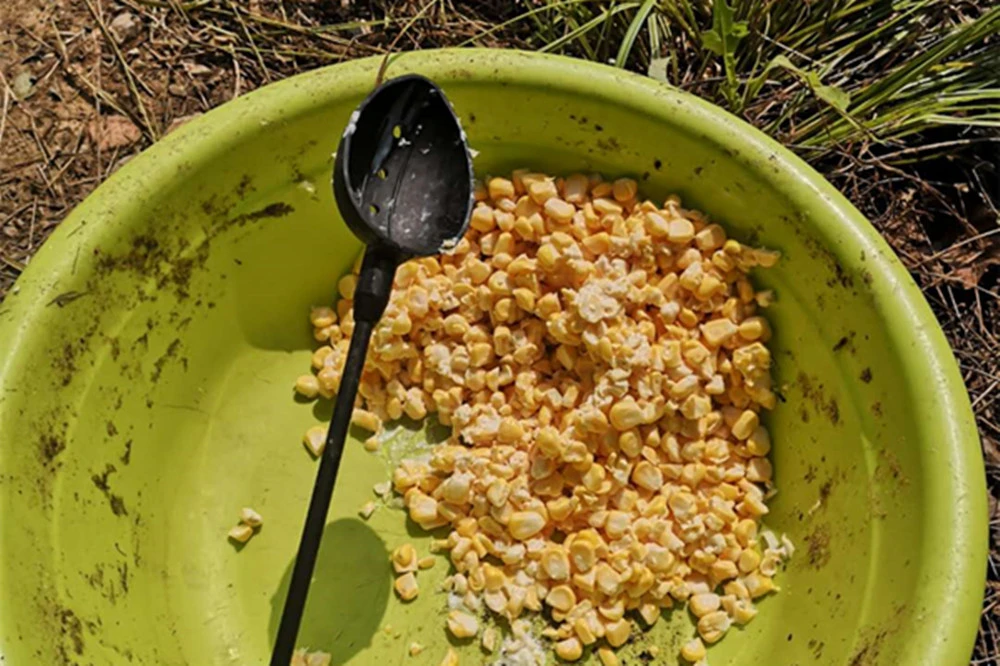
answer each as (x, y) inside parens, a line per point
(352, 124)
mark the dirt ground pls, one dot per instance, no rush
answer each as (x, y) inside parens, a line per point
(86, 84)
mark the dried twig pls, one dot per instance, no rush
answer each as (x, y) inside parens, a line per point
(130, 78)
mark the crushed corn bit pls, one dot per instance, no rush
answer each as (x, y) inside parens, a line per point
(450, 658)
(491, 639)
(302, 657)
(367, 509)
(250, 517)
(241, 533)
(406, 586)
(601, 360)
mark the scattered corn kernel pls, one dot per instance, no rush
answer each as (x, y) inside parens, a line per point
(250, 517)
(241, 533)
(307, 386)
(406, 586)
(415, 649)
(450, 658)
(404, 558)
(315, 440)
(302, 657)
(367, 509)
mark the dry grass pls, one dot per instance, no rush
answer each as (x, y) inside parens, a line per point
(86, 84)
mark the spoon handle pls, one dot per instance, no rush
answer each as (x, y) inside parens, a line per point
(370, 299)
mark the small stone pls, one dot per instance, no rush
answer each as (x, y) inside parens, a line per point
(112, 132)
(23, 85)
(124, 27)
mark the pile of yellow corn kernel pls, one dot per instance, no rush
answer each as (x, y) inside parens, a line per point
(601, 362)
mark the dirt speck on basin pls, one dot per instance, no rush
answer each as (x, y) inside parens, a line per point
(102, 484)
(818, 546)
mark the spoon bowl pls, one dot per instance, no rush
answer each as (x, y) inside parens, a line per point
(403, 174)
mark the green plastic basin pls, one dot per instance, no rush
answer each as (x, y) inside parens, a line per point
(147, 357)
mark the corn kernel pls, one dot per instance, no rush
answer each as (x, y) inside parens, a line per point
(500, 188)
(561, 598)
(723, 570)
(693, 651)
(559, 210)
(462, 625)
(450, 658)
(367, 509)
(703, 604)
(307, 386)
(555, 562)
(759, 442)
(525, 524)
(713, 626)
(315, 440)
(758, 585)
(404, 558)
(482, 219)
(542, 190)
(406, 586)
(241, 533)
(346, 286)
(745, 425)
(584, 631)
(648, 476)
(423, 509)
(680, 231)
(625, 415)
(490, 640)
(365, 419)
(250, 517)
(607, 656)
(607, 579)
(617, 633)
(718, 331)
(569, 649)
(624, 189)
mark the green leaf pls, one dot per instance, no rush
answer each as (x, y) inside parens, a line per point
(725, 33)
(638, 21)
(832, 95)
(722, 40)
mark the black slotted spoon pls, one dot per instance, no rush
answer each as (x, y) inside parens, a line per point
(402, 179)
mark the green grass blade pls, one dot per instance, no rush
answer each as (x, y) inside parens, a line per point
(638, 21)
(593, 23)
